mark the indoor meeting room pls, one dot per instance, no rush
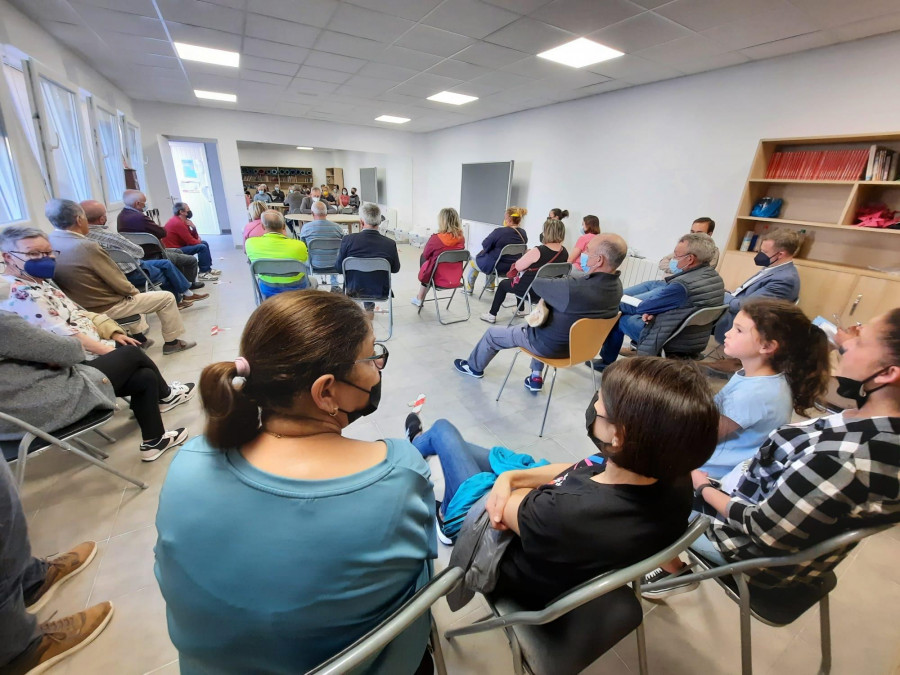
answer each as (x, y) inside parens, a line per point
(455, 337)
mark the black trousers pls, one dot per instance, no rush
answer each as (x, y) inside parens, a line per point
(504, 288)
(132, 373)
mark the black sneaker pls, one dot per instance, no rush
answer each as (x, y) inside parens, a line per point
(659, 574)
(170, 439)
(413, 426)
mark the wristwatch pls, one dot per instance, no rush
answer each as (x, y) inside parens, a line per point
(698, 493)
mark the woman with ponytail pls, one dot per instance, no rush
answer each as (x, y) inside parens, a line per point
(281, 541)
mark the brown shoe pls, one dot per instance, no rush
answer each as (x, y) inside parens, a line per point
(629, 351)
(185, 303)
(62, 568)
(198, 296)
(61, 639)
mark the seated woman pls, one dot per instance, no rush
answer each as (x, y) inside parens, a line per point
(275, 245)
(449, 237)
(653, 421)
(345, 198)
(281, 541)
(509, 232)
(784, 361)
(255, 227)
(526, 267)
(590, 228)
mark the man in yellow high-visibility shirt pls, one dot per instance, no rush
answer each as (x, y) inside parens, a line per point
(274, 244)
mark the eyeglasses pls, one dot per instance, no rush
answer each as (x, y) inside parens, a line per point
(379, 358)
(35, 255)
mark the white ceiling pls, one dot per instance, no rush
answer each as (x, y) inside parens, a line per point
(351, 61)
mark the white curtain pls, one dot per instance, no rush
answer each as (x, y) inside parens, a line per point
(70, 172)
(111, 144)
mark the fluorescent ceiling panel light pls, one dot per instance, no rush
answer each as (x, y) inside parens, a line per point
(392, 119)
(302, 147)
(580, 53)
(218, 57)
(452, 98)
(215, 96)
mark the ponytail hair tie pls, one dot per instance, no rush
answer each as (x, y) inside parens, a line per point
(242, 367)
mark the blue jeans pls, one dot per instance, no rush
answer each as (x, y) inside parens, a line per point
(164, 273)
(646, 289)
(268, 290)
(630, 325)
(201, 250)
(459, 459)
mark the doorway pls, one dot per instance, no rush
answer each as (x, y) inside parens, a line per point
(192, 171)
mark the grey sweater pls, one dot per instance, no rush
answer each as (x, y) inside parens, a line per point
(43, 380)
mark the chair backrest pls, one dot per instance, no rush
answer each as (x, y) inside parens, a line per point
(323, 253)
(364, 266)
(145, 239)
(586, 336)
(277, 267)
(459, 256)
(702, 318)
(554, 270)
(122, 258)
(511, 249)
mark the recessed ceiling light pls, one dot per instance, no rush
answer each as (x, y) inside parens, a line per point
(579, 53)
(215, 96)
(218, 57)
(303, 147)
(392, 119)
(452, 98)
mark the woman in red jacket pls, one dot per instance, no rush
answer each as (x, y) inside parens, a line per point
(449, 237)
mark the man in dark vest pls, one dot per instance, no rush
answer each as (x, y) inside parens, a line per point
(693, 285)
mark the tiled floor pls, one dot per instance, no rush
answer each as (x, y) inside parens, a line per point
(68, 501)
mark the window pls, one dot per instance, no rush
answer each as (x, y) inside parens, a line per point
(111, 151)
(12, 205)
(18, 87)
(135, 151)
(62, 131)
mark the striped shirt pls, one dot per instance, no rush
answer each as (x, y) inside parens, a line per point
(115, 241)
(809, 482)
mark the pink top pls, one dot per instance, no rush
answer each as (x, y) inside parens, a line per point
(581, 246)
(253, 229)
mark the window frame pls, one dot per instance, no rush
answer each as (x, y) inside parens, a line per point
(139, 163)
(95, 106)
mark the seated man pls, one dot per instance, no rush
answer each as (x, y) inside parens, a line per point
(692, 286)
(182, 235)
(277, 195)
(86, 273)
(595, 295)
(321, 229)
(315, 195)
(162, 272)
(133, 219)
(274, 244)
(368, 243)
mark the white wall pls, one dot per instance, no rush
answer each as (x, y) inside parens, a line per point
(650, 159)
(227, 127)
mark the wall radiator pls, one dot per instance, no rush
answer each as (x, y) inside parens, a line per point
(635, 270)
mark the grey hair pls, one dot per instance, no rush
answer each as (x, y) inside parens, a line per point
(131, 197)
(371, 214)
(699, 245)
(613, 248)
(12, 235)
(272, 220)
(313, 188)
(320, 208)
(62, 213)
(176, 207)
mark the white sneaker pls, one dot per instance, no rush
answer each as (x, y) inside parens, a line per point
(178, 394)
(488, 317)
(415, 301)
(170, 439)
(443, 538)
(207, 276)
(215, 273)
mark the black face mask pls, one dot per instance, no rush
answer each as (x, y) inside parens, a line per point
(590, 416)
(189, 214)
(855, 389)
(762, 260)
(370, 407)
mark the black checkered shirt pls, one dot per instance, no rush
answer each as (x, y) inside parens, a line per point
(809, 482)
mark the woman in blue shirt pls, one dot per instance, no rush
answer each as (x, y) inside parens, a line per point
(281, 541)
(510, 232)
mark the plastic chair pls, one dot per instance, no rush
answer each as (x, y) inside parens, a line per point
(580, 626)
(462, 256)
(366, 266)
(701, 321)
(122, 258)
(35, 441)
(275, 267)
(150, 243)
(586, 336)
(326, 248)
(548, 271)
(509, 249)
(370, 644)
(779, 606)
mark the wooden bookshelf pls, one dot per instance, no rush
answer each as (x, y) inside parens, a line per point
(281, 175)
(840, 264)
(334, 179)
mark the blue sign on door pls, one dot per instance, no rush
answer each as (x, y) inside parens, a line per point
(187, 167)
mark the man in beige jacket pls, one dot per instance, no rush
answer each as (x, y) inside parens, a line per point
(90, 277)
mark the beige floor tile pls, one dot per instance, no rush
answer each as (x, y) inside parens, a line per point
(127, 565)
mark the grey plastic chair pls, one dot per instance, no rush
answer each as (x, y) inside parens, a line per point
(780, 606)
(548, 271)
(369, 265)
(462, 256)
(66, 439)
(122, 258)
(580, 626)
(146, 239)
(509, 249)
(327, 249)
(701, 321)
(374, 641)
(275, 267)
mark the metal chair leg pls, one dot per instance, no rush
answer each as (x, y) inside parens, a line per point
(825, 630)
(594, 377)
(451, 298)
(639, 633)
(105, 436)
(488, 280)
(87, 447)
(746, 643)
(547, 407)
(390, 318)
(437, 652)
(23, 458)
(512, 363)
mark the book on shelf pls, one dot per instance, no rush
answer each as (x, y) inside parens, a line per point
(882, 164)
(844, 165)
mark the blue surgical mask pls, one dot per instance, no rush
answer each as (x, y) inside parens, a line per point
(673, 266)
(40, 269)
(583, 261)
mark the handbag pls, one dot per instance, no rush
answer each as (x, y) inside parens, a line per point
(767, 207)
(539, 315)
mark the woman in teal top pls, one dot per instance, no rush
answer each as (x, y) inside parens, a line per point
(280, 541)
